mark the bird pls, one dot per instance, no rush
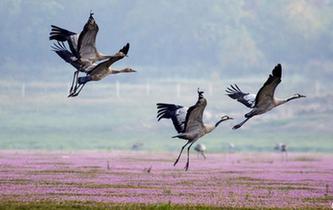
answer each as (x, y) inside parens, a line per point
(102, 70)
(191, 127)
(231, 147)
(283, 149)
(264, 100)
(95, 71)
(82, 47)
(200, 148)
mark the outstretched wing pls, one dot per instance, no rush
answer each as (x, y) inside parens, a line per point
(87, 40)
(266, 92)
(63, 35)
(193, 121)
(245, 98)
(106, 64)
(176, 113)
(66, 55)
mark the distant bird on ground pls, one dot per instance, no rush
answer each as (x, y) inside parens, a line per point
(201, 149)
(283, 149)
(190, 128)
(137, 146)
(264, 101)
(231, 148)
(82, 47)
(148, 170)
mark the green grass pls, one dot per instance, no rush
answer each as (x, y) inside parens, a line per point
(77, 205)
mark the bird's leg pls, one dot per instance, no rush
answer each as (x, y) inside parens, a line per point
(242, 123)
(79, 90)
(203, 154)
(180, 153)
(76, 73)
(188, 156)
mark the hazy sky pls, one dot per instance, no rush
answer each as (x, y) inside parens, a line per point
(191, 38)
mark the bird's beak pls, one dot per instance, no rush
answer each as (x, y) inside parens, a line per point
(302, 96)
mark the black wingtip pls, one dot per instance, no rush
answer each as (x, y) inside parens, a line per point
(277, 71)
(125, 49)
(200, 93)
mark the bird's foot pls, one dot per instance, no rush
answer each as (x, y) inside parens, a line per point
(175, 163)
(236, 126)
(186, 166)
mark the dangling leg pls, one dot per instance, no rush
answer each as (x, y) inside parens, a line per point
(188, 156)
(79, 90)
(203, 154)
(242, 123)
(180, 153)
(75, 76)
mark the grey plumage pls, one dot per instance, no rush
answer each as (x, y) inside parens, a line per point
(264, 99)
(193, 128)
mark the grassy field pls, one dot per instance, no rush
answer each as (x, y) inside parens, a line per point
(143, 180)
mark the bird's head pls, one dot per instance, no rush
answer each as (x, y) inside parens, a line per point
(128, 70)
(226, 117)
(297, 95)
(223, 118)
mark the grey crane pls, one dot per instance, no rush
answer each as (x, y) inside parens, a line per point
(201, 149)
(283, 149)
(82, 47)
(190, 127)
(264, 101)
(99, 71)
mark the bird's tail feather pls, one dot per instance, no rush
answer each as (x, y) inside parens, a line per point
(181, 136)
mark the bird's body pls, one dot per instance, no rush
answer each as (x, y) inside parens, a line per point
(264, 100)
(103, 69)
(192, 128)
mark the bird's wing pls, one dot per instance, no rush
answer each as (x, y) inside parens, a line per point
(245, 98)
(66, 55)
(87, 40)
(176, 113)
(106, 64)
(63, 35)
(194, 115)
(266, 92)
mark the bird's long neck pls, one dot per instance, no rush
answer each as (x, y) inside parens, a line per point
(210, 128)
(218, 122)
(279, 102)
(115, 71)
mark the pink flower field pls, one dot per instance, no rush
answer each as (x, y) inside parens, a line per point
(251, 180)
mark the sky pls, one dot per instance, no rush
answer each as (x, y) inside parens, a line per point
(195, 39)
